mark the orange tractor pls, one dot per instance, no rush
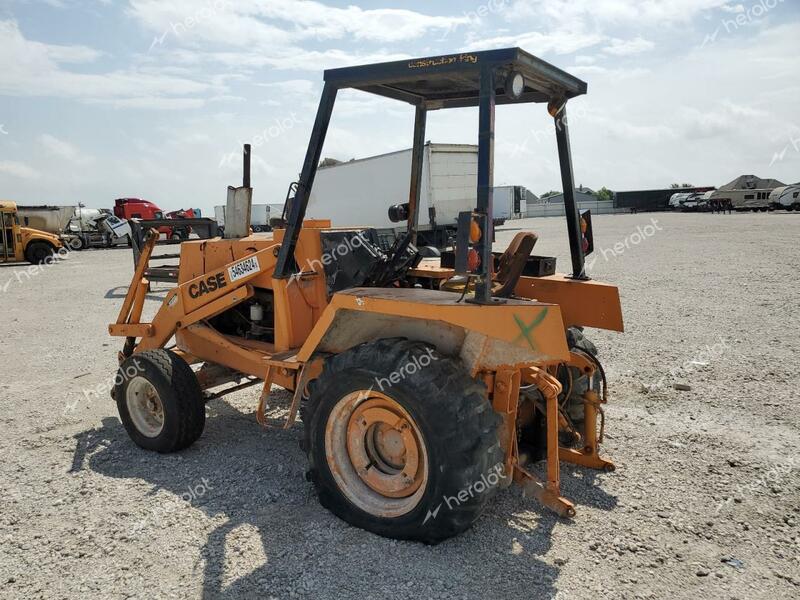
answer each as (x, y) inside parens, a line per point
(424, 383)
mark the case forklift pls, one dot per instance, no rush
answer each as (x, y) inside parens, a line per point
(424, 385)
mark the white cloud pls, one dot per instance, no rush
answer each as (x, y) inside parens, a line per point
(607, 74)
(285, 59)
(557, 42)
(62, 149)
(18, 169)
(157, 103)
(294, 87)
(642, 13)
(276, 23)
(31, 68)
(733, 8)
(620, 47)
(70, 54)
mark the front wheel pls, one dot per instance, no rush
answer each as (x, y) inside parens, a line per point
(38, 253)
(401, 441)
(159, 401)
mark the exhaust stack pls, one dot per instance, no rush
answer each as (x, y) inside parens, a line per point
(239, 203)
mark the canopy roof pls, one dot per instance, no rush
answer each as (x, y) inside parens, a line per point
(453, 80)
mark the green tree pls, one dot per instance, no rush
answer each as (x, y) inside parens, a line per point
(604, 194)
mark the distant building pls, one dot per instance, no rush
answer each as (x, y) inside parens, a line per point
(582, 194)
(751, 182)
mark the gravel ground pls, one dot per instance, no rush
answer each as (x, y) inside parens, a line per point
(705, 501)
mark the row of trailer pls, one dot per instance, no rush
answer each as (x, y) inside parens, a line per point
(756, 200)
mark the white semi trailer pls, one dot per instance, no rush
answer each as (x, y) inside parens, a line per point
(359, 192)
(511, 202)
(52, 219)
(259, 217)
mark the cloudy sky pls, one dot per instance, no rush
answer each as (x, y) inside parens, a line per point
(101, 99)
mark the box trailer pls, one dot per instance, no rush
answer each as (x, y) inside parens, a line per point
(52, 219)
(275, 210)
(510, 202)
(259, 217)
(359, 192)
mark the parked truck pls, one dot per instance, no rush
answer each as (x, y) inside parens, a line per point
(137, 208)
(96, 228)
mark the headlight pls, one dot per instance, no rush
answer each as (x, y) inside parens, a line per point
(515, 85)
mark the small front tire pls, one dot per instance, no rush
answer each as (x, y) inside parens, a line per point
(159, 400)
(37, 253)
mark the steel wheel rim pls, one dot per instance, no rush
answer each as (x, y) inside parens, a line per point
(376, 453)
(144, 407)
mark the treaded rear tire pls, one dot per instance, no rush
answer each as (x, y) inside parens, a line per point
(458, 426)
(180, 395)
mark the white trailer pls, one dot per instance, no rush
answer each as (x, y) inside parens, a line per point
(510, 202)
(688, 201)
(259, 217)
(744, 200)
(786, 197)
(219, 215)
(360, 192)
(52, 219)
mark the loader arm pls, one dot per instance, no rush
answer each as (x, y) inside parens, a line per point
(195, 300)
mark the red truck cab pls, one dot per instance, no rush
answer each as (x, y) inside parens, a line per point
(136, 208)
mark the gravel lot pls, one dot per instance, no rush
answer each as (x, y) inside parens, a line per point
(705, 502)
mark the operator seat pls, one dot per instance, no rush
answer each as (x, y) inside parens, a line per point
(509, 267)
(512, 263)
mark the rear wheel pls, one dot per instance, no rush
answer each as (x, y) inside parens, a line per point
(159, 401)
(38, 252)
(402, 441)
